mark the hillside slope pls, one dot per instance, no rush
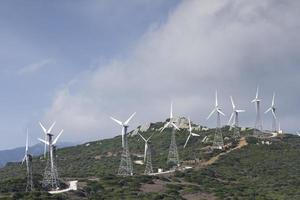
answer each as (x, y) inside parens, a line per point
(254, 171)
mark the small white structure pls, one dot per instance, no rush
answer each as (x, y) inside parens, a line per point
(72, 186)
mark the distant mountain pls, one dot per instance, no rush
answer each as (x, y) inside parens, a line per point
(17, 154)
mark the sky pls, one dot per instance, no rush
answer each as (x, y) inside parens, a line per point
(80, 62)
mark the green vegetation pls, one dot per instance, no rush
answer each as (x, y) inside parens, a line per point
(255, 171)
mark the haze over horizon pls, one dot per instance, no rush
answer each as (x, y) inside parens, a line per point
(78, 63)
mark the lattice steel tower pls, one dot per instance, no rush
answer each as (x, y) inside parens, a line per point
(235, 116)
(50, 180)
(148, 168)
(218, 138)
(173, 156)
(125, 168)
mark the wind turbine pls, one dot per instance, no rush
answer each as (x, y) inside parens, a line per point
(171, 122)
(272, 108)
(46, 132)
(28, 159)
(258, 122)
(191, 134)
(234, 115)
(124, 127)
(51, 143)
(146, 145)
(218, 138)
(216, 109)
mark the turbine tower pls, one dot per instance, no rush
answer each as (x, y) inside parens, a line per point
(125, 168)
(46, 131)
(191, 134)
(147, 155)
(218, 138)
(50, 180)
(234, 119)
(258, 123)
(273, 111)
(28, 159)
(173, 156)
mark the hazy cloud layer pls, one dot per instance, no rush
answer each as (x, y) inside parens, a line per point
(204, 45)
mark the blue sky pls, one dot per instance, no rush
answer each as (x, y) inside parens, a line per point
(45, 44)
(80, 62)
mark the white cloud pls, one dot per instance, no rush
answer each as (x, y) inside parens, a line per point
(208, 44)
(35, 67)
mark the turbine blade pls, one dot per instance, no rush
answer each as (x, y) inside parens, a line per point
(26, 149)
(165, 126)
(190, 126)
(195, 134)
(219, 111)
(51, 127)
(187, 140)
(24, 159)
(268, 110)
(171, 111)
(231, 117)
(273, 100)
(256, 95)
(44, 129)
(232, 102)
(239, 111)
(142, 137)
(119, 122)
(56, 139)
(216, 103)
(45, 142)
(174, 125)
(212, 112)
(128, 120)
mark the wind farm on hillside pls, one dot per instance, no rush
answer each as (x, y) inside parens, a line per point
(205, 146)
(149, 100)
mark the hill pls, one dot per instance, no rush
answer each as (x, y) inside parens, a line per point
(247, 169)
(17, 154)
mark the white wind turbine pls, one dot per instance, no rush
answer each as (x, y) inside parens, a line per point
(171, 122)
(216, 109)
(191, 134)
(258, 122)
(51, 143)
(46, 132)
(234, 120)
(146, 145)
(273, 110)
(25, 159)
(218, 138)
(124, 126)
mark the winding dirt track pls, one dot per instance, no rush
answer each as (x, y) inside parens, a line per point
(241, 144)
